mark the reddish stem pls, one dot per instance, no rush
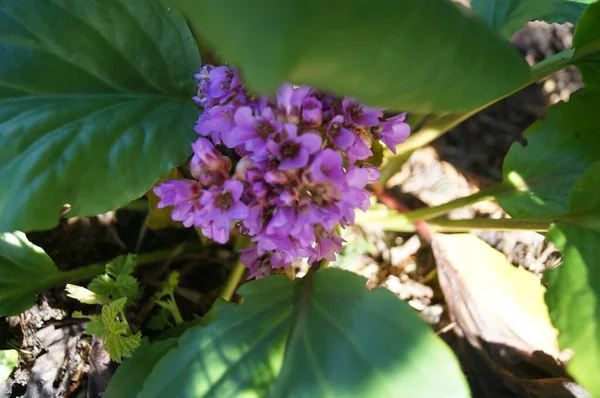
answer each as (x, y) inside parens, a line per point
(392, 202)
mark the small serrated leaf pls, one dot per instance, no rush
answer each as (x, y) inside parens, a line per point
(102, 285)
(122, 265)
(84, 295)
(96, 327)
(122, 346)
(126, 286)
(169, 285)
(112, 310)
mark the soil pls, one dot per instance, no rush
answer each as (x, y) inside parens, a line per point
(59, 360)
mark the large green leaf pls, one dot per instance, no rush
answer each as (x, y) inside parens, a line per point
(127, 381)
(321, 336)
(508, 16)
(94, 104)
(587, 45)
(559, 149)
(24, 271)
(573, 294)
(410, 55)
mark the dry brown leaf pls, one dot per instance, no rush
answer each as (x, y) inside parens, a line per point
(506, 341)
(490, 298)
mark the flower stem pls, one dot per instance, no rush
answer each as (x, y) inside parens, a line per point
(236, 275)
(90, 271)
(427, 213)
(175, 310)
(397, 223)
(438, 126)
(489, 224)
(392, 202)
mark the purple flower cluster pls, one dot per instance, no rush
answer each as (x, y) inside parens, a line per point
(301, 170)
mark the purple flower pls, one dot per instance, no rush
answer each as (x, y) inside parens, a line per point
(176, 192)
(294, 151)
(394, 131)
(219, 207)
(312, 112)
(252, 131)
(358, 151)
(340, 135)
(206, 156)
(359, 114)
(296, 178)
(327, 166)
(326, 248)
(215, 122)
(289, 101)
(224, 83)
(281, 221)
(181, 194)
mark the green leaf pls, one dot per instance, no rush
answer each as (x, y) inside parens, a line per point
(95, 326)
(122, 265)
(25, 270)
(9, 359)
(168, 287)
(573, 294)
(110, 317)
(113, 330)
(508, 16)
(102, 285)
(120, 347)
(84, 295)
(559, 149)
(94, 105)
(123, 286)
(126, 286)
(128, 379)
(414, 61)
(323, 336)
(587, 45)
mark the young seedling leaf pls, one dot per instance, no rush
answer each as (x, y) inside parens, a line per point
(559, 149)
(168, 287)
(359, 51)
(122, 265)
(508, 16)
(84, 295)
(165, 298)
(573, 295)
(108, 113)
(103, 285)
(119, 346)
(25, 270)
(113, 330)
(325, 335)
(117, 283)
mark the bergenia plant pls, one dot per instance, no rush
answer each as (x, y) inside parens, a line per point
(301, 169)
(269, 130)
